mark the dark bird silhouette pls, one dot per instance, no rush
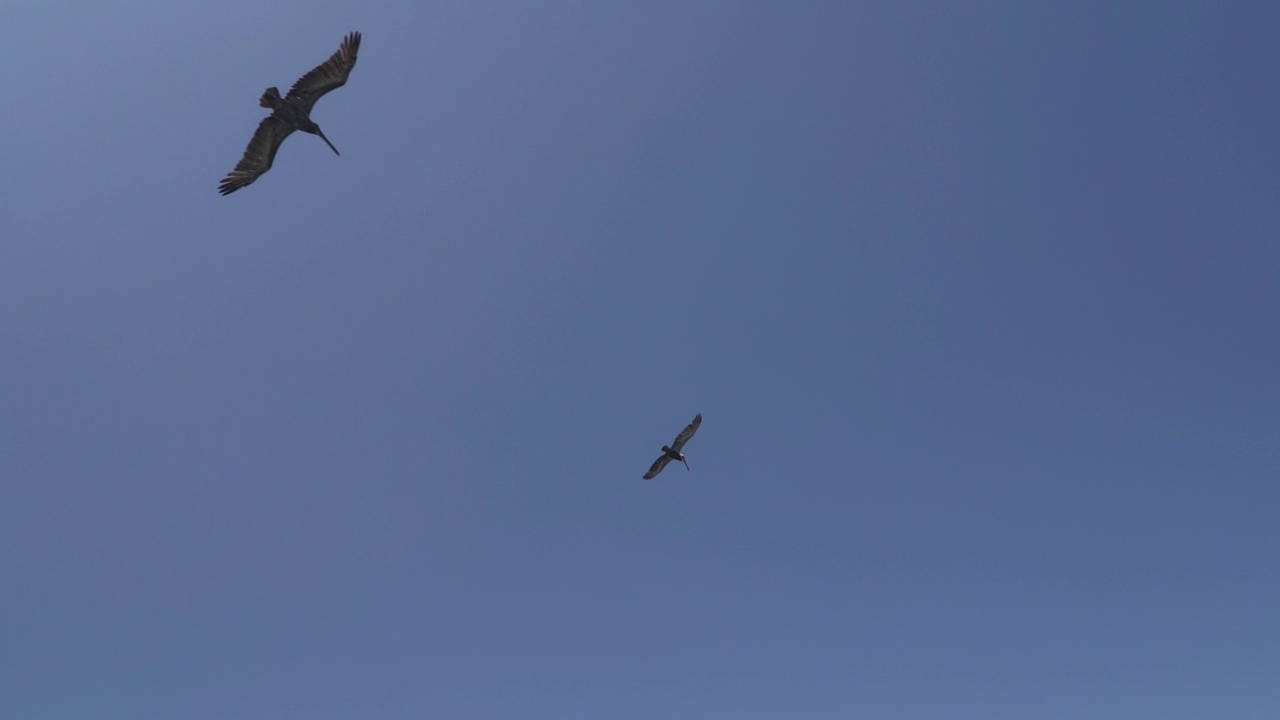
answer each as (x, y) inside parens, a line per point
(673, 452)
(291, 112)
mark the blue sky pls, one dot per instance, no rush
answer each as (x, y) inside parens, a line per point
(978, 302)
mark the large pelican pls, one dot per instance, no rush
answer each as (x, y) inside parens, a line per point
(673, 452)
(291, 112)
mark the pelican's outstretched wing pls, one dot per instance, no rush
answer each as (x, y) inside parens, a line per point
(687, 433)
(657, 466)
(258, 156)
(326, 76)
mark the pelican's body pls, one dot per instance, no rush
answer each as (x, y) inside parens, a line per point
(672, 452)
(673, 455)
(291, 112)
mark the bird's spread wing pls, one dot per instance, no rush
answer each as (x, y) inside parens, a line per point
(657, 466)
(258, 156)
(326, 76)
(687, 433)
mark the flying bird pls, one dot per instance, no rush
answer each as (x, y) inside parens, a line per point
(291, 112)
(673, 452)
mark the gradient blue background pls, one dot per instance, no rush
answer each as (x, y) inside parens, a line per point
(978, 300)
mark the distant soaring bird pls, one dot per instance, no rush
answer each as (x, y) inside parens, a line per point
(673, 452)
(291, 112)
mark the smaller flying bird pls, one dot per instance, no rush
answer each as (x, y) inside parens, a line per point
(291, 112)
(673, 452)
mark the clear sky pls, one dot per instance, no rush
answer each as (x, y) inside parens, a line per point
(979, 302)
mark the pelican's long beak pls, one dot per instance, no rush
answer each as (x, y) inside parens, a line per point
(326, 142)
(686, 464)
